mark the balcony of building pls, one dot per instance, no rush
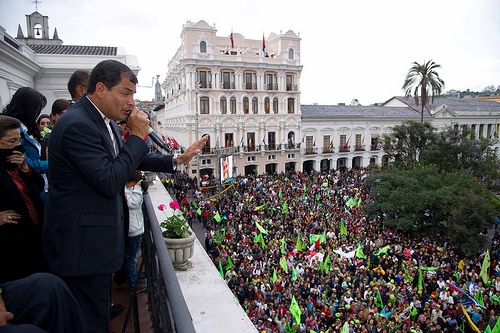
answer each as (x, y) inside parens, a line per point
(344, 149)
(359, 148)
(328, 150)
(195, 300)
(311, 150)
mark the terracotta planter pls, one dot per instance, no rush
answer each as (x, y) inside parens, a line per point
(180, 251)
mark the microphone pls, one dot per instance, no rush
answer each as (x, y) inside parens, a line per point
(157, 139)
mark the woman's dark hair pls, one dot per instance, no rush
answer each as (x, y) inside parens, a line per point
(136, 176)
(59, 106)
(26, 105)
(40, 117)
(8, 123)
(110, 73)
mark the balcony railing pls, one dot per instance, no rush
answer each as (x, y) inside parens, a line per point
(167, 308)
(359, 148)
(328, 150)
(271, 86)
(344, 149)
(250, 86)
(311, 150)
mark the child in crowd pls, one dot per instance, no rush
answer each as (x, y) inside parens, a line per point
(128, 270)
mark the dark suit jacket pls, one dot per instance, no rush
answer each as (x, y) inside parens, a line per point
(20, 244)
(85, 215)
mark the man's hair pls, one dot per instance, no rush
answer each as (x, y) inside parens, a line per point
(136, 176)
(110, 73)
(78, 78)
(8, 123)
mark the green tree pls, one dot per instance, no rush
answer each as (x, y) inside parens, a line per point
(456, 149)
(407, 142)
(424, 201)
(423, 80)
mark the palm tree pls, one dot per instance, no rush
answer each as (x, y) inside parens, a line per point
(423, 80)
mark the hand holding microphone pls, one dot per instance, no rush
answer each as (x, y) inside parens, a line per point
(138, 123)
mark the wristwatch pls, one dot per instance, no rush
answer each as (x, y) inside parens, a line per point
(174, 161)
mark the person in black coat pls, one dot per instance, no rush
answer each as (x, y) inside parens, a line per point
(21, 208)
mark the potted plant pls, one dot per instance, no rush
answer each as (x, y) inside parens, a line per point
(177, 236)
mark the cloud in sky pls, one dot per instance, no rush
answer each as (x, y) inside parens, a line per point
(349, 49)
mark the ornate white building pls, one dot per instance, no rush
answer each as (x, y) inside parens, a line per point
(35, 60)
(244, 94)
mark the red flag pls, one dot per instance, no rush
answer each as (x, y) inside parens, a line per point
(231, 39)
(263, 43)
(174, 144)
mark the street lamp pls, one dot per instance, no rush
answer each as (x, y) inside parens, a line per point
(196, 138)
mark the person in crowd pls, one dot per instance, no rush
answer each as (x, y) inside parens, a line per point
(86, 220)
(128, 271)
(43, 123)
(58, 108)
(367, 276)
(77, 84)
(21, 208)
(26, 105)
(39, 303)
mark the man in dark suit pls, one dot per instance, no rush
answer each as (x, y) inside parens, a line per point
(84, 232)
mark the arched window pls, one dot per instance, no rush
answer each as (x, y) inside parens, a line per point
(232, 105)
(275, 105)
(290, 54)
(203, 47)
(246, 106)
(255, 105)
(223, 105)
(267, 105)
(204, 105)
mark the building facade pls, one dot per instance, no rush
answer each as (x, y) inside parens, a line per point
(35, 60)
(244, 94)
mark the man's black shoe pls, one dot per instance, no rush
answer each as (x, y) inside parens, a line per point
(115, 310)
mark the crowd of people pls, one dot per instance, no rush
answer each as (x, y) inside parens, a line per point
(300, 256)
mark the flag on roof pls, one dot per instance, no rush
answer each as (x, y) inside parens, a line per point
(231, 38)
(263, 42)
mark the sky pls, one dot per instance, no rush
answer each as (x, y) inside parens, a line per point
(359, 49)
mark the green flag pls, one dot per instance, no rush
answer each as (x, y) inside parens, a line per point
(283, 264)
(298, 245)
(427, 268)
(420, 281)
(343, 230)
(325, 184)
(378, 300)
(382, 251)
(220, 269)
(294, 274)
(488, 329)
(260, 207)
(322, 238)
(217, 217)
(217, 237)
(261, 229)
(326, 264)
(282, 249)
(313, 238)
(350, 202)
(496, 328)
(479, 297)
(198, 211)
(295, 310)
(284, 208)
(280, 194)
(229, 263)
(485, 266)
(260, 239)
(275, 276)
(359, 202)
(414, 313)
(345, 328)
(359, 252)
